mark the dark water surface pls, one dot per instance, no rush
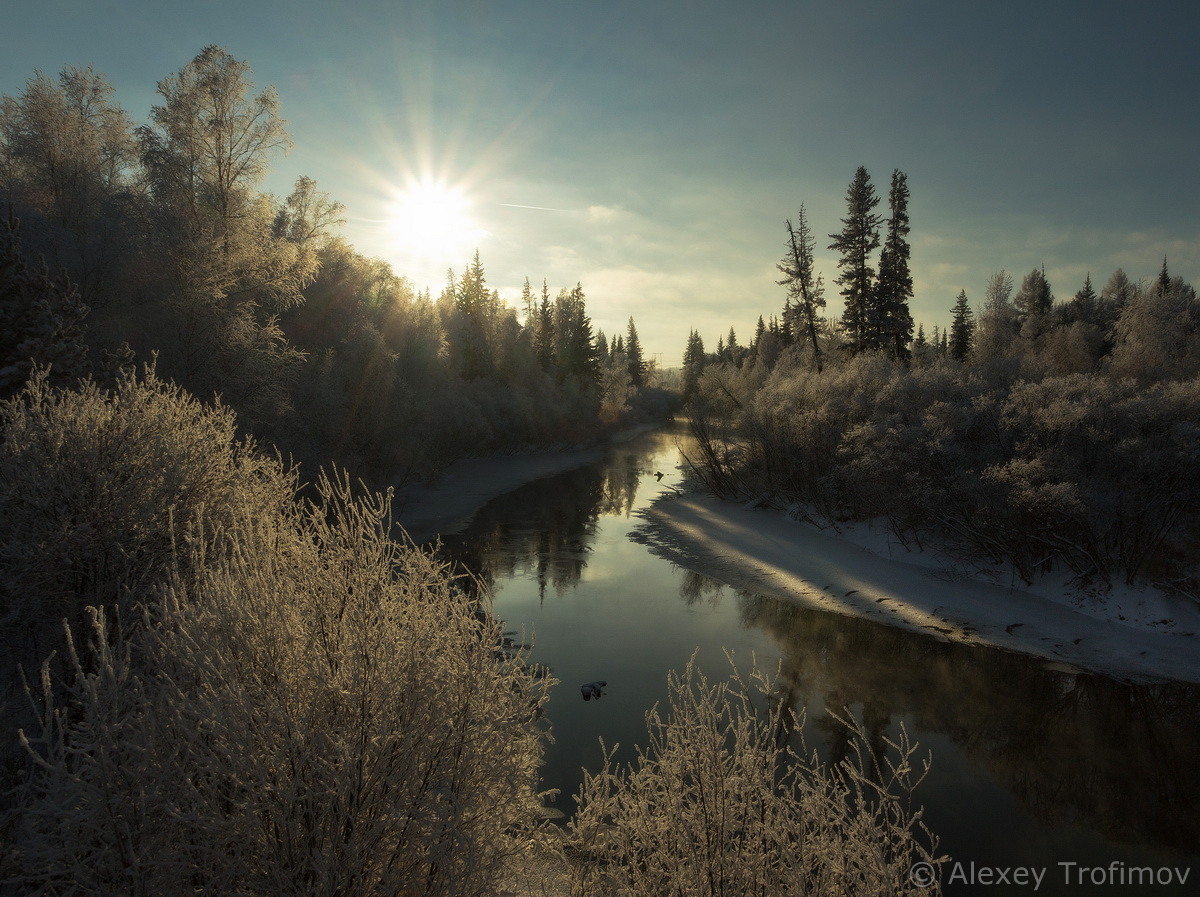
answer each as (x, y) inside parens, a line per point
(1032, 767)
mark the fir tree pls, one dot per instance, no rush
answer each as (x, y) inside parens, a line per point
(1033, 302)
(1084, 305)
(633, 356)
(1163, 284)
(895, 286)
(693, 365)
(543, 336)
(603, 356)
(575, 350)
(528, 303)
(920, 342)
(40, 319)
(962, 328)
(920, 346)
(858, 238)
(475, 305)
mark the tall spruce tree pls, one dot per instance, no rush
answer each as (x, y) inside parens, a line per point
(475, 307)
(543, 334)
(1033, 301)
(633, 357)
(1085, 305)
(694, 360)
(895, 286)
(856, 241)
(1163, 284)
(806, 292)
(575, 350)
(962, 328)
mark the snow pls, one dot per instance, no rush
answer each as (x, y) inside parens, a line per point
(859, 570)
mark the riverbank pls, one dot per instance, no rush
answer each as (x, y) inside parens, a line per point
(767, 552)
(448, 505)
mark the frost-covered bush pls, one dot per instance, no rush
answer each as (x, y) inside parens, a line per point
(1158, 335)
(95, 485)
(1102, 473)
(720, 803)
(319, 710)
(1084, 472)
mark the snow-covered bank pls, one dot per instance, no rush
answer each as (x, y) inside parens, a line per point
(448, 505)
(767, 552)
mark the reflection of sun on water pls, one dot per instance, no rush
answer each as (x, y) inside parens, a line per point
(432, 220)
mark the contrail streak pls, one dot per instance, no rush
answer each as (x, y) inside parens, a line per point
(514, 205)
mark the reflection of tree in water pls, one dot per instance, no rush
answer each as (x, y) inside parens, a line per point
(546, 528)
(694, 588)
(1120, 757)
(621, 478)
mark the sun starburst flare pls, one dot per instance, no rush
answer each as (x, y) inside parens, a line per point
(430, 219)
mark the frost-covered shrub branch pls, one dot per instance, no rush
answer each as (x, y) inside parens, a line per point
(725, 800)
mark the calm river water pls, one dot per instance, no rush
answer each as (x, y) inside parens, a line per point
(1032, 767)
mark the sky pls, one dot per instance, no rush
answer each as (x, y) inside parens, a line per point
(652, 151)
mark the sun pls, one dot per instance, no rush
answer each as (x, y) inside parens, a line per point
(430, 219)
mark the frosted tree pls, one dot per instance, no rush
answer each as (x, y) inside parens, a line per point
(856, 241)
(998, 324)
(1119, 290)
(208, 147)
(65, 147)
(68, 164)
(1033, 303)
(1158, 334)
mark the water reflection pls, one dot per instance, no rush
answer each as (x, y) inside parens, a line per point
(546, 528)
(1030, 764)
(1068, 747)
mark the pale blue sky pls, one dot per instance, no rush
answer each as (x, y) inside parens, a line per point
(666, 142)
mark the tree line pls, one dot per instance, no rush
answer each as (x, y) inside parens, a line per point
(172, 249)
(1033, 435)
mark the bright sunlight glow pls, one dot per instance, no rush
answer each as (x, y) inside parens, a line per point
(432, 220)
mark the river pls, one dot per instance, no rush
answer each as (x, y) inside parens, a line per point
(1033, 767)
